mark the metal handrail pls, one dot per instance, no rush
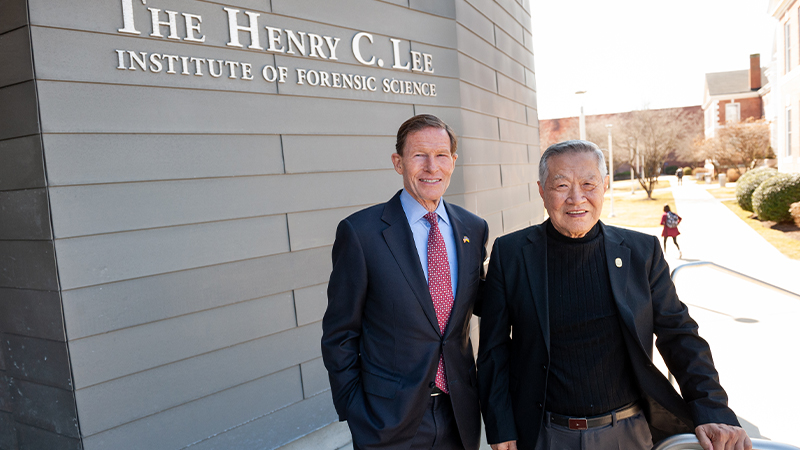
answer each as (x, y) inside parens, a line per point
(733, 272)
(689, 442)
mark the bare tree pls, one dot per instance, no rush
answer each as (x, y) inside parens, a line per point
(706, 149)
(597, 132)
(736, 145)
(743, 143)
(655, 133)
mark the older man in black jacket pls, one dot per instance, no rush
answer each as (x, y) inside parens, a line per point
(569, 313)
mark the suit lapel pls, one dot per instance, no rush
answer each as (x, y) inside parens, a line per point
(465, 263)
(618, 260)
(535, 254)
(400, 241)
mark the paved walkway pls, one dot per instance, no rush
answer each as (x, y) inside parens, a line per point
(752, 330)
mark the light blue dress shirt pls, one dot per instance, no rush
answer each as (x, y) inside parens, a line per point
(420, 227)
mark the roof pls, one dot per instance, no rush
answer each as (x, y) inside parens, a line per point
(736, 82)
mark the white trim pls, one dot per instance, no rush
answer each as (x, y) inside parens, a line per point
(778, 9)
(743, 95)
(787, 131)
(787, 47)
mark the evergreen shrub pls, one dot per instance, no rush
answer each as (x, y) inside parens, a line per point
(748, 183)
(771, 200)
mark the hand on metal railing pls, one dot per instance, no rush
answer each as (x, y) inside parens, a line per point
(689, 442)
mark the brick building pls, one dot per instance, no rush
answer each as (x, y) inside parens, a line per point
(733, 96)
(552, 131)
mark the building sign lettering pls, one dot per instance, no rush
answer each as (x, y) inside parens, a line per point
(262, 37)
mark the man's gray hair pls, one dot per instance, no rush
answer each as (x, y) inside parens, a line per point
(573, 146)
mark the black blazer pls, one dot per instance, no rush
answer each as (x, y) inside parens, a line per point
(512, 371)
(381, 340)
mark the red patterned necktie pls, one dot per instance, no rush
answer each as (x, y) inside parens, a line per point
(440, 286)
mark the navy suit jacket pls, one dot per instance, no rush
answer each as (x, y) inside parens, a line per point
(512, 370)
(381, 340)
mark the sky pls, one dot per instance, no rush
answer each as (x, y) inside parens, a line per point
(636, 54)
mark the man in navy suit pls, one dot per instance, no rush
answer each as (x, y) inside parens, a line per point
(403, 288)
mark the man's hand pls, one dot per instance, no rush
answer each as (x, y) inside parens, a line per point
(718, 436)
(508, 445)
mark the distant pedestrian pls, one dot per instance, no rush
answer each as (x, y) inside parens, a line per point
(670, 220)
(679, 174)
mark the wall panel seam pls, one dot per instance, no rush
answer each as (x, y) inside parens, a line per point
(204, 354)
(178, 88)
(226, 177)
(494, 25)
(513, 99)
(12, 30)
(19, 137)
(198, 312)
(191, 268)
(13, 85)
(206, 396)
(255, 418)
(495, 47)
(74, 411)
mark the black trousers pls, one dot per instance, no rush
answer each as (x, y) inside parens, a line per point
(438, 430)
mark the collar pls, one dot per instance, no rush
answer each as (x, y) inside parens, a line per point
(558, 237)
(415, 211)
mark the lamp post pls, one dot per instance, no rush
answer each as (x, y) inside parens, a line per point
(611, 170)
(633, 156)
(581, 119)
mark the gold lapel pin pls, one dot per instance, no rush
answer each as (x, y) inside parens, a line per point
(618, 262)
(465, 240)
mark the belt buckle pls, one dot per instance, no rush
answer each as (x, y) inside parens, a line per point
(578, 424)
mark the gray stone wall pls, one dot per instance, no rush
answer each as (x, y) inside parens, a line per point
(37, 402)
(191, 217)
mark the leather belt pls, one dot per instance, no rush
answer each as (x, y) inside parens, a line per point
(436, 391)
(584, 423)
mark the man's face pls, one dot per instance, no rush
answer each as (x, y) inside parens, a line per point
(426, 165)
(573, 193)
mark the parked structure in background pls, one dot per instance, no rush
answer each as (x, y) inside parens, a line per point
(786, 83)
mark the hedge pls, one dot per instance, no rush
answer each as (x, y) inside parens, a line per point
(772, 199)
(748, 183)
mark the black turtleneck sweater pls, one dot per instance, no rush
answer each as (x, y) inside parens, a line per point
(590, 371)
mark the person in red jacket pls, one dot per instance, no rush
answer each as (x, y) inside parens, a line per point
(670, 220)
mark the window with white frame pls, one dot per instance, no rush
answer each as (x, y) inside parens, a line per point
(788, 131)
(787, 42)
(732, 112)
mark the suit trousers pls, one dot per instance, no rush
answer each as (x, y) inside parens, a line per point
(627, 434)
(438, 430)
